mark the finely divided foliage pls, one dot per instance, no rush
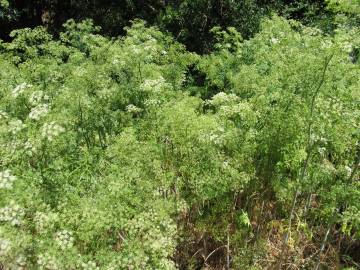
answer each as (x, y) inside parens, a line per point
(111, 160)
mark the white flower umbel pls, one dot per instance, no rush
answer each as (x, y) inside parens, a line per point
(51, 130)
(19, 89)
(154, 85)
(3, 115)
(5, 247)
(133, 109)
(90, 265)
(12, 213)
(46, 261)
(274, 40)
(16, 126)
(38, 111)
(29, 148)
(223, 98)
(6, 179)
(19, 263)
(37, 97)
(152, 102)
(64, 239)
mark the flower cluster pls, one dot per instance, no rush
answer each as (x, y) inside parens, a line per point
(241, 111)
(6, 179)
(12, 213)
(312, 31)
(51, 130)
(44, 221)
(348, 170)
(64, 239)
(167, 264)
(133, 261)
(118, 61)
(19, 263)
(29, 148)
(216, 136)
(133, 109)
(5, 247)
(347, 47)
(46, 261)
(274, 40)
(37, 97)
(3, 115)
(326, 44)
(38, 111)
(222, 98)
(90, 265)
(152, 102)
(16, 126)
(156, 232)
(19, 89)
(134, 49)
(154, 85)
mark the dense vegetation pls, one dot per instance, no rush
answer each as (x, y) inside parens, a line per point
(138, 153)
(190, 21)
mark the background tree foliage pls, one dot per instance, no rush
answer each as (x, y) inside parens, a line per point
(189, 21)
